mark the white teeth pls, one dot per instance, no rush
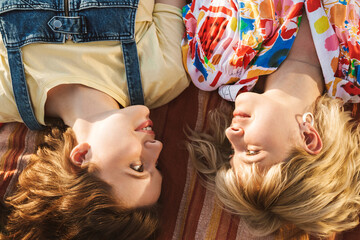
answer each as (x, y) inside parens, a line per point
(147, 128)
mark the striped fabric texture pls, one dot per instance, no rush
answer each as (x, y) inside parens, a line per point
(188, 210)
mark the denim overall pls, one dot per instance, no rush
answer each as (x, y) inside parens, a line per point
(24, 22)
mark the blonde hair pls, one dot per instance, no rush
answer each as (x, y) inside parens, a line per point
(54, 201)
(309, 194)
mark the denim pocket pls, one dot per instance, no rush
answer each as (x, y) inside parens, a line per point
(27, 21)
(9, 5)
(20, 27)
(106, 19)
(84, 4)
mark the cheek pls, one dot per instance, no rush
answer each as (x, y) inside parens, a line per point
(272, 128)
(260, 133)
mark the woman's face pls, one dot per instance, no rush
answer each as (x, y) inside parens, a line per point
(263, 131)
(124, 148)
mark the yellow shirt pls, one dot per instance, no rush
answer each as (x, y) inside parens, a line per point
(158, 32)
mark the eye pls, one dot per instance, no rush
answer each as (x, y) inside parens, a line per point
(137, 167)
(252, 152)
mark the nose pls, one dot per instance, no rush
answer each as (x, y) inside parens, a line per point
(138, 110)
(143, 109)
(152, 151)
(234, 134)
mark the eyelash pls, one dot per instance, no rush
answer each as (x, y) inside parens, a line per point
(137, 167)
(252, 152)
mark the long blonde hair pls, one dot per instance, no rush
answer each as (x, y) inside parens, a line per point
(315, 194)
(54, 201)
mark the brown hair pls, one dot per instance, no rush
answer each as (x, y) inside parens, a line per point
(306, 194)
(54, 201)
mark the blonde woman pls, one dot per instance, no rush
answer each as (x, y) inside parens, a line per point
(292, 160)
(84, 63)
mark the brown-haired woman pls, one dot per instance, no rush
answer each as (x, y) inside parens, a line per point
(94, 174)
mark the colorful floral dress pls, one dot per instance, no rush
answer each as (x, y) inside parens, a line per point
(230, 43)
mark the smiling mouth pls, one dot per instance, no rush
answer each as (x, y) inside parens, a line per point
(146, 127)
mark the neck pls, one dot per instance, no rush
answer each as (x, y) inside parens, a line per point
(299, 80)
(296, 83)
(77, 106)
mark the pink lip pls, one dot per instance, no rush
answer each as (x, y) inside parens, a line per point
(240, 114)
(147, 123)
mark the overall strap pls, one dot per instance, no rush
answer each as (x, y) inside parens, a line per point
(132, 70)
(20, 89)
(83, 26)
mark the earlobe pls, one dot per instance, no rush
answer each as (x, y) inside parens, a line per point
(78, 154)
(311, 139)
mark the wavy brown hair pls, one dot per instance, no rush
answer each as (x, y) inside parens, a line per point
(306, 194)
(55, 201)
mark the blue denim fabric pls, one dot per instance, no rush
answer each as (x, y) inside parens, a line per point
(24, 22)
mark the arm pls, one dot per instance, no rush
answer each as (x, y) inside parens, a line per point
(176, 3)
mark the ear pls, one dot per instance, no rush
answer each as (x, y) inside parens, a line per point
(78, 154)
(311, 139)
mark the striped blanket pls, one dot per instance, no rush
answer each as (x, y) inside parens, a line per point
(17, 143)
(189, 211)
